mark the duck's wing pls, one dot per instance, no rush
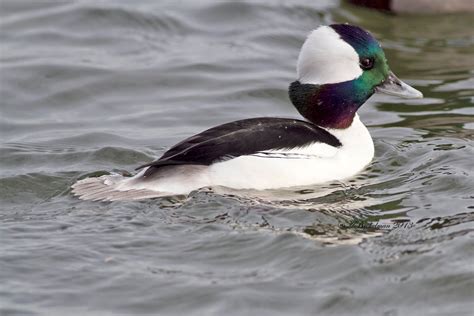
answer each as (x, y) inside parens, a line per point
(244, 137)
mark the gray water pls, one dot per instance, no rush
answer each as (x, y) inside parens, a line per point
(93, 87)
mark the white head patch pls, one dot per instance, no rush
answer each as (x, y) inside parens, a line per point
(326, 58)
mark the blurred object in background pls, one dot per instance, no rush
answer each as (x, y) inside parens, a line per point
(418, 6)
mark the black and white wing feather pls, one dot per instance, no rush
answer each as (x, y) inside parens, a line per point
(239, 138)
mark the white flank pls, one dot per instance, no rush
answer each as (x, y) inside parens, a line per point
(313, 164)
(326, 58)
(317, 163)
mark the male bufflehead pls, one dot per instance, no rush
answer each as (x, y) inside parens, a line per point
(339, 67)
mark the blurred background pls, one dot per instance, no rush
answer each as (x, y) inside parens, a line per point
(92, 87)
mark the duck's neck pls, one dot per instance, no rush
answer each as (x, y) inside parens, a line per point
(330, 105)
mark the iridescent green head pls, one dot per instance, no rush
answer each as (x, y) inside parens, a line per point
(339, 67)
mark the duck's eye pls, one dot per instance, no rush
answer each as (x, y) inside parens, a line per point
(366, 63)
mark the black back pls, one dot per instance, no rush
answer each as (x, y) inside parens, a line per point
(244, 137)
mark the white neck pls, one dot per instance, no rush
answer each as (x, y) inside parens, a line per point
(355, 138)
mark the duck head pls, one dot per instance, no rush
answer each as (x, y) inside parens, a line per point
(339, 67)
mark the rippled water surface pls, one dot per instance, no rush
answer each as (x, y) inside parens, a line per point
(91, 87)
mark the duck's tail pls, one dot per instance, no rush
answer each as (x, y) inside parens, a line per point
(111, 188)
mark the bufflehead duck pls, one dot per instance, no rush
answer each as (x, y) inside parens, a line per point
(339, 67)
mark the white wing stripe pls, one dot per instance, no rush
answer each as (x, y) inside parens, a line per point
(287, 155)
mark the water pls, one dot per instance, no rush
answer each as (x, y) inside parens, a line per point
(94, 87)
